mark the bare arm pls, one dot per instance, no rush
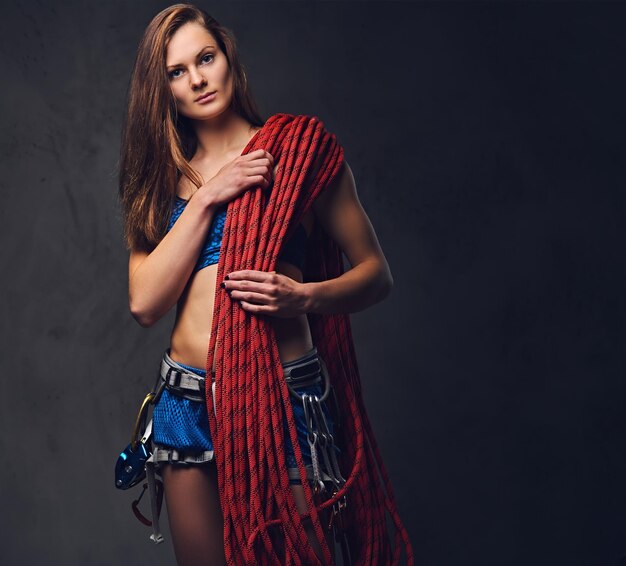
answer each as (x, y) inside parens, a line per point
(367, 282)
(157, 279)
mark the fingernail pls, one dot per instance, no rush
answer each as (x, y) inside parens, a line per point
(226, 278)
(222, 285)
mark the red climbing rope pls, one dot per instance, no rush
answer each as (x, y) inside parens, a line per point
(251, 395)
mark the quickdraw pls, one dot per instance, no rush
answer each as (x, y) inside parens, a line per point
(321, 440)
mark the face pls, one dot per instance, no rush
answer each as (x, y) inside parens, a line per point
(195, 65)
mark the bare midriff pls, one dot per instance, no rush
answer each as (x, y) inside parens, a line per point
(191, 334)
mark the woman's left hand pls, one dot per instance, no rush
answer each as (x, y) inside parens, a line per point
(263, 292)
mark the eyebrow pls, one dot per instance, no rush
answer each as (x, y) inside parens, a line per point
(198, 55)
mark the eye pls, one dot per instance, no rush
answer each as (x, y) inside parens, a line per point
(206, 58)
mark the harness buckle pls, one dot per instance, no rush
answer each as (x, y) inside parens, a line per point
(177, 377)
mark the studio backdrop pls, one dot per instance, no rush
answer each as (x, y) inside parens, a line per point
(487, 145)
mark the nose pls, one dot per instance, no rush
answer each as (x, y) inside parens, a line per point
(196, 79)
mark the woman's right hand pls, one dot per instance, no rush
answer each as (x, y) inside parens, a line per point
(245, 171)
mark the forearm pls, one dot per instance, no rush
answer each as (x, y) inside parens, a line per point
(157, 283)
(365, 284)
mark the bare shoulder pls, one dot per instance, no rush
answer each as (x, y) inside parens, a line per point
(343, 218)
(340, 191)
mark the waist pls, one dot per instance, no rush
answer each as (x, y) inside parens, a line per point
(190, 381)
(188, 343)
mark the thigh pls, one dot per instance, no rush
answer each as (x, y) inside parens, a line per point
(194, 513)
(298, 494)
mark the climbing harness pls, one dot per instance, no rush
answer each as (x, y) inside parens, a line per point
(139, 460)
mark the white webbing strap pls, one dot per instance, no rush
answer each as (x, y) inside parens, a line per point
(156, 536)
(147, 433)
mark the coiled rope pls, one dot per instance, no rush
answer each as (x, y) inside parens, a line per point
(251, 395)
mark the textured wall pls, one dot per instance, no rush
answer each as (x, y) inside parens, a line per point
(487, 143)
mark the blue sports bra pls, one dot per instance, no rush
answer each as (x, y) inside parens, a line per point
(293, 251)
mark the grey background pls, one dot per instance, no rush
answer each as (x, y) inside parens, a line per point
(487, 142)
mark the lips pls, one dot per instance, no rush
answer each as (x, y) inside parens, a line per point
(204, 96)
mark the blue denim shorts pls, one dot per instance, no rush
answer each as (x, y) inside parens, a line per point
(183, 424)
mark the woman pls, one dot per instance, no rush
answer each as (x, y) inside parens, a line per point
(189, 121)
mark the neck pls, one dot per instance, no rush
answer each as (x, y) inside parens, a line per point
(219, 136)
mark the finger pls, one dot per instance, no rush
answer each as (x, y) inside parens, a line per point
(263, 171)
(258, 157)
(257, 309)
(251, 274)
(250, 297)
(260, 180)
(257, 169)
(247, 286)
(255, 154)
(263, 157)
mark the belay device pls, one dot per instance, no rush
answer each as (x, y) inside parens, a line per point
(135, 463)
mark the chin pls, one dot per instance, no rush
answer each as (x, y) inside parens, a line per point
(202, 113)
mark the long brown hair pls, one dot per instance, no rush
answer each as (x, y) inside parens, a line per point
(157, 142)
